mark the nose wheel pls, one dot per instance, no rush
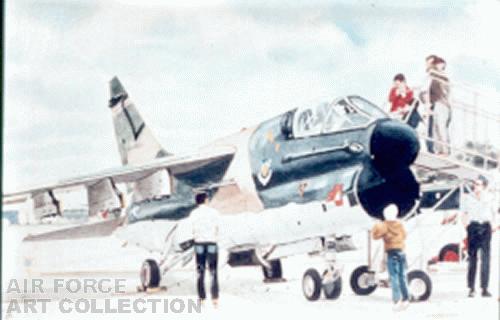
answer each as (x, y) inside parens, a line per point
(419, 285)
(363, 283)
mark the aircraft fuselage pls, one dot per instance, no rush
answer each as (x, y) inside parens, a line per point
(283, 161)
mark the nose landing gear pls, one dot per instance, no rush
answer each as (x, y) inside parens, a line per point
(364, 282)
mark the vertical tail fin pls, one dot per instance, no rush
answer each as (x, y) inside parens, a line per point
(136, 142)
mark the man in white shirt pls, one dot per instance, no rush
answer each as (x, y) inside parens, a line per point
(479, 217)
(205, 226)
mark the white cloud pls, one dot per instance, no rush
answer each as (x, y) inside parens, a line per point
(197, 73)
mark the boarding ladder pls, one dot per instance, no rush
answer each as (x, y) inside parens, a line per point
(474, 130)
(474, 147)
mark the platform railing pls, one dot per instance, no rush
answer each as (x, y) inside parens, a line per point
(475, 119)
(468, 157)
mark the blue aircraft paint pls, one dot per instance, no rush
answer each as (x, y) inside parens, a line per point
(305, 169)
(321, 160)
(182, 200)
(288, 169)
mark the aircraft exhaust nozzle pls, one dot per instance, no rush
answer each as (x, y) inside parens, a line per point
(387, 178)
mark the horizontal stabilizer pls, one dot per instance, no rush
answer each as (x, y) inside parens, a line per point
(94, 230)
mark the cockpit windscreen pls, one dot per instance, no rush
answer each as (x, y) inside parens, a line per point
(342, 114)
(367, 107)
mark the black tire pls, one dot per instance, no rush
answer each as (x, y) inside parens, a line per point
(311, 278)
(332, 290)
(450, 247)
(275, 272)
(418, 275)
(356, 285)
(150, 274)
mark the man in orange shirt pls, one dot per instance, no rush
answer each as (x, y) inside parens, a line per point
(400, 96)
(392, 231)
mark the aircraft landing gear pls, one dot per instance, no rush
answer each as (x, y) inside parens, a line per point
(150, 275)
(419, 285)
(152, 272)
(364, 282)
(311, 284)
(330, 282)
(274, 273)
(323, 253)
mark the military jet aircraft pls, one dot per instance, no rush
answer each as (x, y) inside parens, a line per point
(264, 180)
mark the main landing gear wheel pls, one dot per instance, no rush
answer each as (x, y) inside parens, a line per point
(273, 274)
(150, 274)
(333, 289)
(312, 283)
(363, 281)
(419, 285)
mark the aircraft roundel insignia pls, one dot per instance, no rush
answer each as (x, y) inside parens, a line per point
(265, 173)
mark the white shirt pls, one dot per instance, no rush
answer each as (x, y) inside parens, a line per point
(478, 209)
(205, 224)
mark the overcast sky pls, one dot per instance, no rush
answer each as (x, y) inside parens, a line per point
(203, 69)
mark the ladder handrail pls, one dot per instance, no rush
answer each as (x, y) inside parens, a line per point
(486, 159)
(470, 88)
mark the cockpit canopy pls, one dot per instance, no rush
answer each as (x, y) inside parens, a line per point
(342, 114)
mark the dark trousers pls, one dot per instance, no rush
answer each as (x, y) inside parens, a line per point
(206, 253)
(479, 238)
(413, 118)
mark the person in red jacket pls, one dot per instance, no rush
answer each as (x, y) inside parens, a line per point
(400, 96)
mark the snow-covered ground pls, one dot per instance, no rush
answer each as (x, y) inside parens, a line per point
(243, 294)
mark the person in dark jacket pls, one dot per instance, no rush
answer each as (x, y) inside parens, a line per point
(438, 98)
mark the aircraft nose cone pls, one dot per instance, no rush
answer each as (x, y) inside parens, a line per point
(393, 145)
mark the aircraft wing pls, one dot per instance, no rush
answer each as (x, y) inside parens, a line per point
(176, 164)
